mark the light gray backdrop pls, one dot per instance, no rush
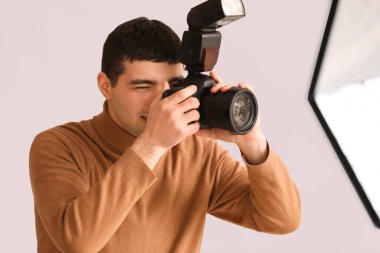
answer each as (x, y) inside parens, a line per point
(50, 54)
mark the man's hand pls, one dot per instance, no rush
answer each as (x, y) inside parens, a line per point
(168, 123)
(253, 144)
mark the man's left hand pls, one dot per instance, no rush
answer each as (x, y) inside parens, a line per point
(253, 144)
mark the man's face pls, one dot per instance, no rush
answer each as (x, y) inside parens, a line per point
(141, 82)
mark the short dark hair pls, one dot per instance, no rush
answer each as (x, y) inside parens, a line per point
(139, 39)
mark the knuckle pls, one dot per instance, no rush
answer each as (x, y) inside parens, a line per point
(171, 117)
(178, 129)
(162, 107)
(190, 90)
(182, 95)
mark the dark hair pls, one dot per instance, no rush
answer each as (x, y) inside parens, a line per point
(139, 39)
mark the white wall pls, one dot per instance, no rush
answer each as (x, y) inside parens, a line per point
(50, 54)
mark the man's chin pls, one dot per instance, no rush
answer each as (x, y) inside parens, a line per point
(136, 132)
(141, 128)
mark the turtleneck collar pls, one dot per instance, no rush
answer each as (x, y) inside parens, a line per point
(113, 135)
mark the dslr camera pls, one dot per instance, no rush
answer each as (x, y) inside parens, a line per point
(234, 110)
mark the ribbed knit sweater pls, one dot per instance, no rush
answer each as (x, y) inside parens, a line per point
(88, 200)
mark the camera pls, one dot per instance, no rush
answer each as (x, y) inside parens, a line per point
(235, 110)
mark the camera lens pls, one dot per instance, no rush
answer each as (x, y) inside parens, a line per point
(235, 110)
(242, 111)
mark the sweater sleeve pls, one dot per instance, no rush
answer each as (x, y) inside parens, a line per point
(79, 217)
(261, 197)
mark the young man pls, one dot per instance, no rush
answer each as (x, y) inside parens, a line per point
(141, 176)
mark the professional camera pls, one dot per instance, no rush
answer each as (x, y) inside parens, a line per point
(234, 110)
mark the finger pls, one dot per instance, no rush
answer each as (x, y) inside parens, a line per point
(216, 77)
(247, 86)
(216, 87)
(221, 87)
(191, 116)
(226, 87)
(193, 128)
(182, 94)
(189, 104)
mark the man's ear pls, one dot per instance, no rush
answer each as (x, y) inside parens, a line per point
(104, 85)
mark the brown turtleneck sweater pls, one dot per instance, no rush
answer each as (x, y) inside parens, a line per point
(87, 200)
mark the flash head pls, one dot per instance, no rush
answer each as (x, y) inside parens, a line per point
(201, 43)
(213, 14)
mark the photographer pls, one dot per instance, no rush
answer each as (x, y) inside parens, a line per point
(141, 176)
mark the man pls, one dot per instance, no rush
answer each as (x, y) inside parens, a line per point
(141, 176)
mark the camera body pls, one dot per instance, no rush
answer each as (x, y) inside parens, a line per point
(234, 110)
(215, 109)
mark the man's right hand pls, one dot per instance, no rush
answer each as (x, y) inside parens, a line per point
(168, 123)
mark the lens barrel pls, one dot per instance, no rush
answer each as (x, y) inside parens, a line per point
(235, 110)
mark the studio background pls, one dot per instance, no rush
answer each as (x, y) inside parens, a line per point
(50, 53)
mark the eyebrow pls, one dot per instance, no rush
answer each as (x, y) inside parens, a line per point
(147, 81)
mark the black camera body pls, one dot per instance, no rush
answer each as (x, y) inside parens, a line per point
(234, 110)
(215, 109)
